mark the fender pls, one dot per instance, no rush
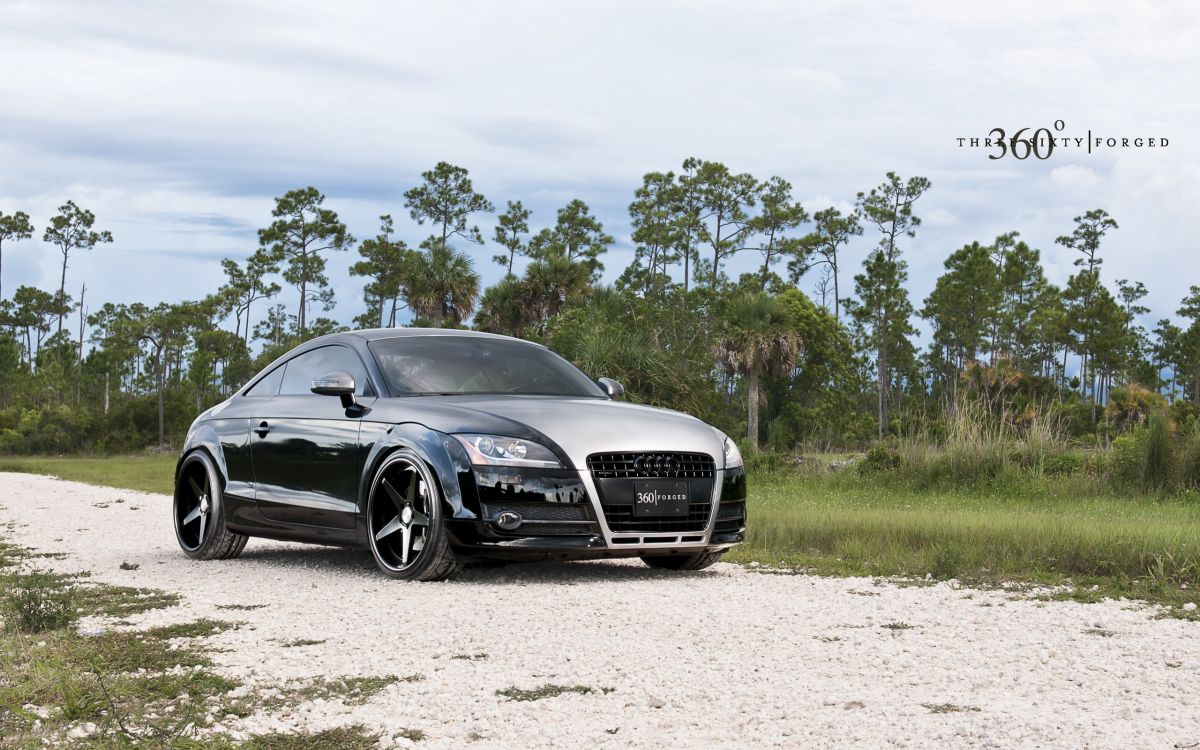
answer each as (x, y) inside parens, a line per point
(205, 437)
(445, 456)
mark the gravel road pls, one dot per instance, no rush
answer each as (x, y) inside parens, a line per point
(728, 657)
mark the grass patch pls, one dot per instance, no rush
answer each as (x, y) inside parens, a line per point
(1041, 532)
(352, 691)
(470, 657)
(949, 708)
(148, 473)
(302, 642)
(37, 602)
(122, 601)
(548, 691)
(354, 737)
(897, 626)
(241, 607)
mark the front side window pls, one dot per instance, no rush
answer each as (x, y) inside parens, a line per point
(448, 365)
(268, 385)
(302, 370)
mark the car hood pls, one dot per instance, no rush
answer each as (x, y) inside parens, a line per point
(578, 426)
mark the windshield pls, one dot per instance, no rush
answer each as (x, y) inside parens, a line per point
(449, 365)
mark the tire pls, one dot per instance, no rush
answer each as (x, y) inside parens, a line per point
(199, 512)
(683, 562)
(406, 526)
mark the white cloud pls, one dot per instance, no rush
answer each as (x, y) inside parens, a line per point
(177, 123)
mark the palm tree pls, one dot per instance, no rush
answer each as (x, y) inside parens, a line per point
(503, 308)
(550, 284)
(441, 283)
(759, 339)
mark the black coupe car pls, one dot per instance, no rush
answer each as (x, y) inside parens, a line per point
(434, 447)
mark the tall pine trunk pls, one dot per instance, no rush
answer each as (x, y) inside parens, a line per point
(752, 406)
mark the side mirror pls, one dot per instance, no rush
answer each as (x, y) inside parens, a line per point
(615, 390)
(337, 383)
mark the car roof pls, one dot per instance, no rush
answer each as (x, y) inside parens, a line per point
(375, 334)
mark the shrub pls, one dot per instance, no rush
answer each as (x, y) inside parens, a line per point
(38, 602)
(1189, 458)
(1062, 464)
(1127, 459)
(1157, 467)
(880, 458)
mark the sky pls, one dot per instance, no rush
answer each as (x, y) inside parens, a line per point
(178, 123)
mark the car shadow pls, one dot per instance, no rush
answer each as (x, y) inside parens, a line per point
(360, 563)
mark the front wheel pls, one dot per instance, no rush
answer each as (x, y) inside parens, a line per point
(199, 512)
(405, 521)
(683, 562)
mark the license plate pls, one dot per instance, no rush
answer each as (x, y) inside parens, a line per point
(660, 498)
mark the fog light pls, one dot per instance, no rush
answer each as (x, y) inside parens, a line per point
(508, 520)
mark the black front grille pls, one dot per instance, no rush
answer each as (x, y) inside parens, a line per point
(545, 519)
(613, 473)
(650, 465)
(731, 517)
(620, 518)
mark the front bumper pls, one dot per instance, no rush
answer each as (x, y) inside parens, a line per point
(571, 514)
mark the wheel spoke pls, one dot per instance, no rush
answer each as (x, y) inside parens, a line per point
(412, 488)
(203, 520)
(405, 541)
(419, 518)
(196, 513)
(394, 494)
(390, 528)
(196, 488)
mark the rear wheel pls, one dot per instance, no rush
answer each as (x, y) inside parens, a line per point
(683, 562)
(405, 521)
(200, 513)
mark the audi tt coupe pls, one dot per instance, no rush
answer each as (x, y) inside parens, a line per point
(433, 448)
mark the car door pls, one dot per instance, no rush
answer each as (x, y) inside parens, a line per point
(305, 447)
(233, 428)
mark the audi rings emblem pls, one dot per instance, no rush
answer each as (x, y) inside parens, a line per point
(663, 466)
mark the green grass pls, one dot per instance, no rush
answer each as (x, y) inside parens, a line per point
(515, 693)
(149, 473)
(846, 524)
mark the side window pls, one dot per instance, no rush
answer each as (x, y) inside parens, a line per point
(269, 385)
(301, 371)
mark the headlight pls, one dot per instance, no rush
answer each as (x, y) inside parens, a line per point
(733, 456)
(495, 450)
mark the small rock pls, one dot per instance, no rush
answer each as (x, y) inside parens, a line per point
(1189, 607)
(655, 702)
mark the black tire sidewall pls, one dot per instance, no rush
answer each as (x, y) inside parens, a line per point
(437, 532)
(216, 507)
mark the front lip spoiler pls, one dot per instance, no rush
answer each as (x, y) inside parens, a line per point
(589, 543)
(557, 543)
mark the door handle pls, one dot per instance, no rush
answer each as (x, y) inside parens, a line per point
(262, 429)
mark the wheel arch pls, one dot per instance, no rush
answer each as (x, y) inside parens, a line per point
(204, 438)
(436, 449)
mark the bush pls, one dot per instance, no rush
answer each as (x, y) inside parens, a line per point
(880, 458)
(1189, 459)
(38, 602)
(1127, 458)
(1157, 468)
(1062, 464)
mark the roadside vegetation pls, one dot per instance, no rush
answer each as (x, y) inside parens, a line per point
(114, 686)
(993, 504)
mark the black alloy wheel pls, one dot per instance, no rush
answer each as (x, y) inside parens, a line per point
(199, 513)
(405, 523)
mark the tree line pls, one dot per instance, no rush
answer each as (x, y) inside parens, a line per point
(837, 365)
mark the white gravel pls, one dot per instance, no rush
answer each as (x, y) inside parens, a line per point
(724, 658)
